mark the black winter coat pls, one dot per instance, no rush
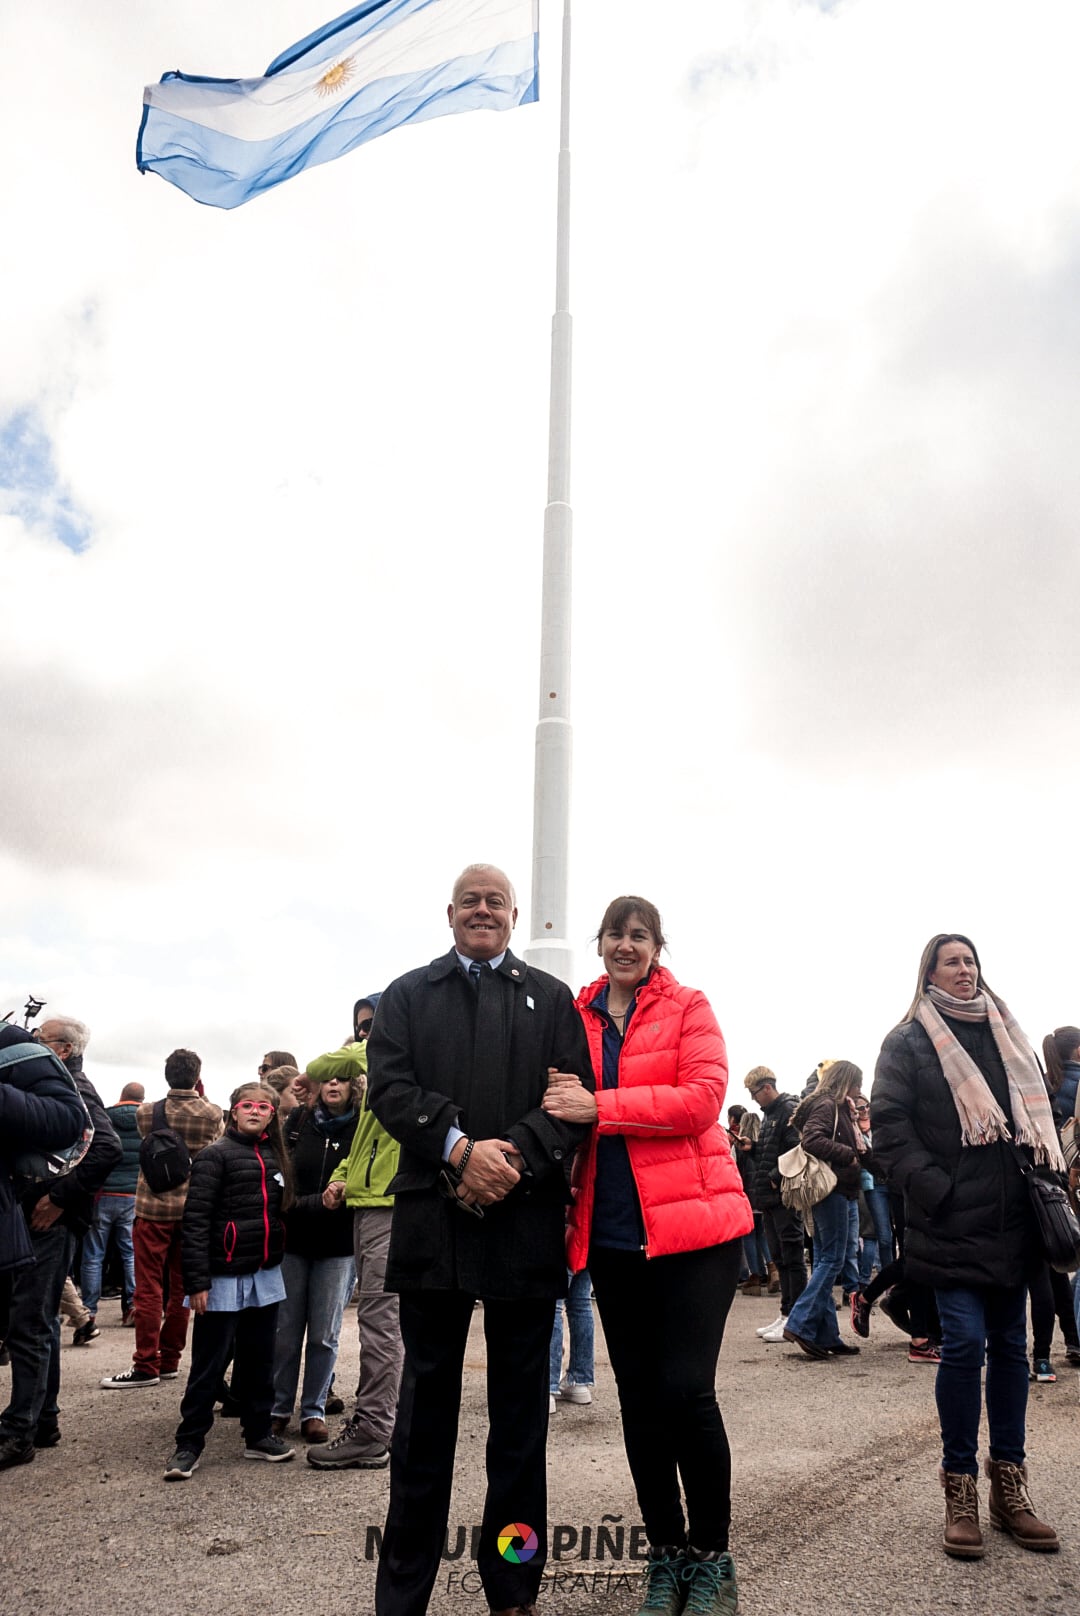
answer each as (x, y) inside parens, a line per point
(776, 1136)
(75, 1192)
(427, 1070)
(968, 1214)
(232, 1215)
(311, 1231)
(38, 1111)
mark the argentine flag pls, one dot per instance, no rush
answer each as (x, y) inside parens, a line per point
(384, 63)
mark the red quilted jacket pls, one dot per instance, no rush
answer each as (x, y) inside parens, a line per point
(672, 1081)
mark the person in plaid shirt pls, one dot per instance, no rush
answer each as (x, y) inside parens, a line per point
(158, 1344)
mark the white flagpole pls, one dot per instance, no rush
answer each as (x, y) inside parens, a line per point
(549, 946)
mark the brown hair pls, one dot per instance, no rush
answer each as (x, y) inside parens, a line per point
(1058, 1047)
(620, 910)
(273, 1134)
(281, 1077)
(928, 963)
(182, 1069)
(278, 1057)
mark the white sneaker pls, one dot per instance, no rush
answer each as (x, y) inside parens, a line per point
(574, 1394)
(764, 1329)
(775, 1333)
(551, 1402)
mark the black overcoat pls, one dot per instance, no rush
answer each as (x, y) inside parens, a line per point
(967, 1209)
(436, 1059)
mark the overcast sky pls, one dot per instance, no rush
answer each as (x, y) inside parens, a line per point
(271, 493)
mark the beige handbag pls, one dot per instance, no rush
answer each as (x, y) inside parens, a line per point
(804, 1180)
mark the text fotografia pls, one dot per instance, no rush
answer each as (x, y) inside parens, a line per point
(608, 1540)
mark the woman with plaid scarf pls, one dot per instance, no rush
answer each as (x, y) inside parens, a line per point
(958, 1101)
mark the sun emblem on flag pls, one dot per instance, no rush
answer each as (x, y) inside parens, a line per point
(335, 78)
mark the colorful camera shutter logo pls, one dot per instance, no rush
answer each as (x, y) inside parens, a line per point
(517, 1543)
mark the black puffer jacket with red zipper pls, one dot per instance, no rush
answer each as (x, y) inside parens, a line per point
(232, 1215)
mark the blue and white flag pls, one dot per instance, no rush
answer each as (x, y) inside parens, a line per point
(384, 63)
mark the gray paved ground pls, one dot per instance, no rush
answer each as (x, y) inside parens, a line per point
(836, 1503)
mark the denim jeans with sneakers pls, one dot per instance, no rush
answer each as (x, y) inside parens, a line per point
(317, 1291)
(813, 1316)
(581, 1370)
(111, 1212)
(988, 1323)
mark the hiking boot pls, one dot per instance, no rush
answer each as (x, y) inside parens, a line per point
(182, 1465)
(314, 1431)
(85, 1333)
(711, 1589)
(860, 1314)
(271, 1448)
(665, 1593)
(1011, 1509)
(15, 1450)
(961, 1537)
(130, 1378)
(752, 1286)
(1043, 1370)
(352, 1450)
(924, 1352)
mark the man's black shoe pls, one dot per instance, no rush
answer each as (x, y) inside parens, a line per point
(15, 1450)
(47, 1436)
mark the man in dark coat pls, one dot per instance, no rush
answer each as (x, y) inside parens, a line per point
(458, 1061)
(783, 1226)
(57, 1210)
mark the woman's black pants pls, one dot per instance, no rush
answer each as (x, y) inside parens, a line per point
(663, 1321)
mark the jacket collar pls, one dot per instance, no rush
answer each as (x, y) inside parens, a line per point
(514, 969)
(658, 981)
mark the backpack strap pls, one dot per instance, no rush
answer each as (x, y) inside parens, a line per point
(157, 1117)
(14, 1054)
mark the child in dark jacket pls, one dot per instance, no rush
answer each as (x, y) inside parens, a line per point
(231, 1249)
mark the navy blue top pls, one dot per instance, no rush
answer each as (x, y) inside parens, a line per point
(617, 1220)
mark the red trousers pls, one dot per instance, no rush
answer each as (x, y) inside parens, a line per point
(158, 1342)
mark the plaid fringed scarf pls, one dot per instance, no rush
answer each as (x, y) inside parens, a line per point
(981, 1118)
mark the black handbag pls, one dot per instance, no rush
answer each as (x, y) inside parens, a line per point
(1059, 1230)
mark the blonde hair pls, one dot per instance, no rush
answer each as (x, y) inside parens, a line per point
(758, 1075)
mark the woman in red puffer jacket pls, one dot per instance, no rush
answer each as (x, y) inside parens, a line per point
(658, 1216)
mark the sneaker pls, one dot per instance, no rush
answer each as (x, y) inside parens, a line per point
(860, 1314)
(130, 1377)
(927, 1352)
(1043, 1370)
(570, 1393)
(352, 1450)
(15, 1450)
(662, 1583)
(551, 1402)
(85, 1333)
(168, 1374)
(763, 1329)
(181, 1466)
(775, 1335)
(271, 1448)
(711, 1589)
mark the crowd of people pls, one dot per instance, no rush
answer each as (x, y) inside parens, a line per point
(483, 1138)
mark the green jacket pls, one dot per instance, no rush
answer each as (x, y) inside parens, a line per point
(373, 1159)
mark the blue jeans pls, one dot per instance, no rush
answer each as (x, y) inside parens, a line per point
(110, 1212)
(755, 1250)
(35, 1299)
(877, 1202)
(813, 1317)
(581, 1370)
(317, 1290)
(988, 1323)
(849, 1273)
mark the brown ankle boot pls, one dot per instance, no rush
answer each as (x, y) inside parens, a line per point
(1011, 1509)
(961, 1538)
(774, 1280)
